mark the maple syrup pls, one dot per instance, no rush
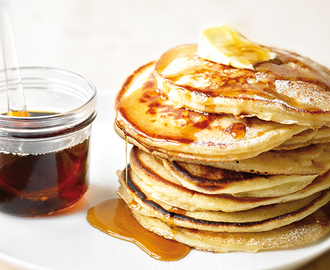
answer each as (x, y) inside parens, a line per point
(114, 218)
(35, 184)
(236, 130)
(44, 152)
(18, 113)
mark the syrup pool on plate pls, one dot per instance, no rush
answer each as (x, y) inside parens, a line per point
(114, 218)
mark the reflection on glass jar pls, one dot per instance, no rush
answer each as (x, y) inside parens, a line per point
(44, 157)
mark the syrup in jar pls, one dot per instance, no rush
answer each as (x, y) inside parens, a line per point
(44, 155)
(39, 183)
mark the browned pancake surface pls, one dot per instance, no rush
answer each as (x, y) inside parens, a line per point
(288, 89)
(157, 126)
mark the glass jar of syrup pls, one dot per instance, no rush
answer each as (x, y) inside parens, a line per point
(44, 157)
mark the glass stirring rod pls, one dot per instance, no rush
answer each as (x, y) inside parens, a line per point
(15, 94)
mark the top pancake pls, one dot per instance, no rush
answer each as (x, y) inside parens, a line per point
(289, 89)
(157, 126)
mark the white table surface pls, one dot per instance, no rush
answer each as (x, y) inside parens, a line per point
(105, 40)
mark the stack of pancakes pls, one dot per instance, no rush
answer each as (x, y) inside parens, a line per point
(227, 159)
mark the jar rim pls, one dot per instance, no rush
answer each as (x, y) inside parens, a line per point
(33, 125)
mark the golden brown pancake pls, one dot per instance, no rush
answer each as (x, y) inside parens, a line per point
(290, 89)
(306, 138)
(313, 159)
(297, 234)
(155, 125)
(168, 190)
(210, 180)
(263, 218)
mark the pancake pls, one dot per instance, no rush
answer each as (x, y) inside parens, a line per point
(290, 89)
(297, 234)
(169, 191)
(313, 159)
(259, 219)
(156, 126)
(210, 180)
(306, 138)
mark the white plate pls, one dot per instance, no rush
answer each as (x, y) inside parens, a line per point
(67, 241)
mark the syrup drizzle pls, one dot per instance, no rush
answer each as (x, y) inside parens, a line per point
(126, 157)
(236, 130)
(114, 218)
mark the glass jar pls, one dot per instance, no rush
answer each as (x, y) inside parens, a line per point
(44, 157)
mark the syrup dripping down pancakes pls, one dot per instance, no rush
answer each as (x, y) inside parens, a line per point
(228, 159)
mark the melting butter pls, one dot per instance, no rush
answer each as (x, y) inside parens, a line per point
(224, 45)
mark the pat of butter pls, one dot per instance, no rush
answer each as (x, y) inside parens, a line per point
(224, 45)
